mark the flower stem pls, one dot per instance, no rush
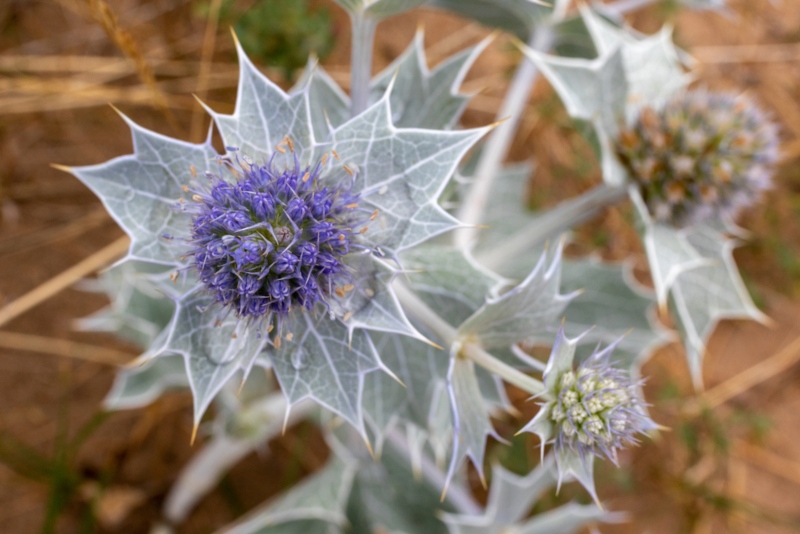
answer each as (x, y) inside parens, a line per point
(502, 369)
(498, 144)
(361, 61)
(466, 348)
(561, 218)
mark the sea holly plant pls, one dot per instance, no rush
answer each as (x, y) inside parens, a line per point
(361, 262)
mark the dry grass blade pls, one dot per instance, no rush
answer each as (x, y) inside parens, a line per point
(49, 99)
(64, 348)
(99, 259)
(51, 234)
(209, 39)
(748, 379)
(767, 460)
(763, 53)
(103, 14)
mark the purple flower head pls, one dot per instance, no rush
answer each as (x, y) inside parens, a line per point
(702, 156)
(595, 408)
(274, 240)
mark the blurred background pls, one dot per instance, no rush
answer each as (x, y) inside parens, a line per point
(731, 459)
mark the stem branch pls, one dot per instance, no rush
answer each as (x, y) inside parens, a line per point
(449, 335)
(552, 222)
(361, 62)
(498, 144)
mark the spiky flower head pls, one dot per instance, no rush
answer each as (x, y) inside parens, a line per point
(268, 239)
(592, 409)
(704, 155)
(595, 409)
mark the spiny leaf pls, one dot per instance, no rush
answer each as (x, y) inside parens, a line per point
(422, 369)
(331, 105)
(372, 304)
(320, 363)
(528, 309)
(611, 305)
(471, 423)
(213, 348)
(141, 191)
(592, 90)
(136, 387)
(321, 497)
(708, 294)
(506, 211)
(387, 498)
(652, 63)
(448, 280)
(139, 311)
(668, 250)
(264, 116)
(510, 499)
(402, 172)
(421, 98)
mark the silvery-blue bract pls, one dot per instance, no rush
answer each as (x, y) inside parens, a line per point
(301, 221)
(592, 409)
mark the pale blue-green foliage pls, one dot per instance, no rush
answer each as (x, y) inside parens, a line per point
(703, 296)
(403, 188)
(611, 286)
(318, 502)
(595, 286)
(510, 499)
(650, 71)
(401, 383)
(139, 386)
(138, 311)
(323, 364)
(356, 493)
(378, 9)
(419, 97)
(524, 311)
(519, 17)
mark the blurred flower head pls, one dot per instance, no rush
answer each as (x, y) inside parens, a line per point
(703, 156)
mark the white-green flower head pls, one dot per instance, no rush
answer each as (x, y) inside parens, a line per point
(592, 409)
(702, 156)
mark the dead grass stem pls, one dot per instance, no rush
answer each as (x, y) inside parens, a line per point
(105, 16)
(58, 283)
(64, 348)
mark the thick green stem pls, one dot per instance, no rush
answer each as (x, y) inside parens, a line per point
(498, 144)
(361, 62)
(550, 223)
(466, 347)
